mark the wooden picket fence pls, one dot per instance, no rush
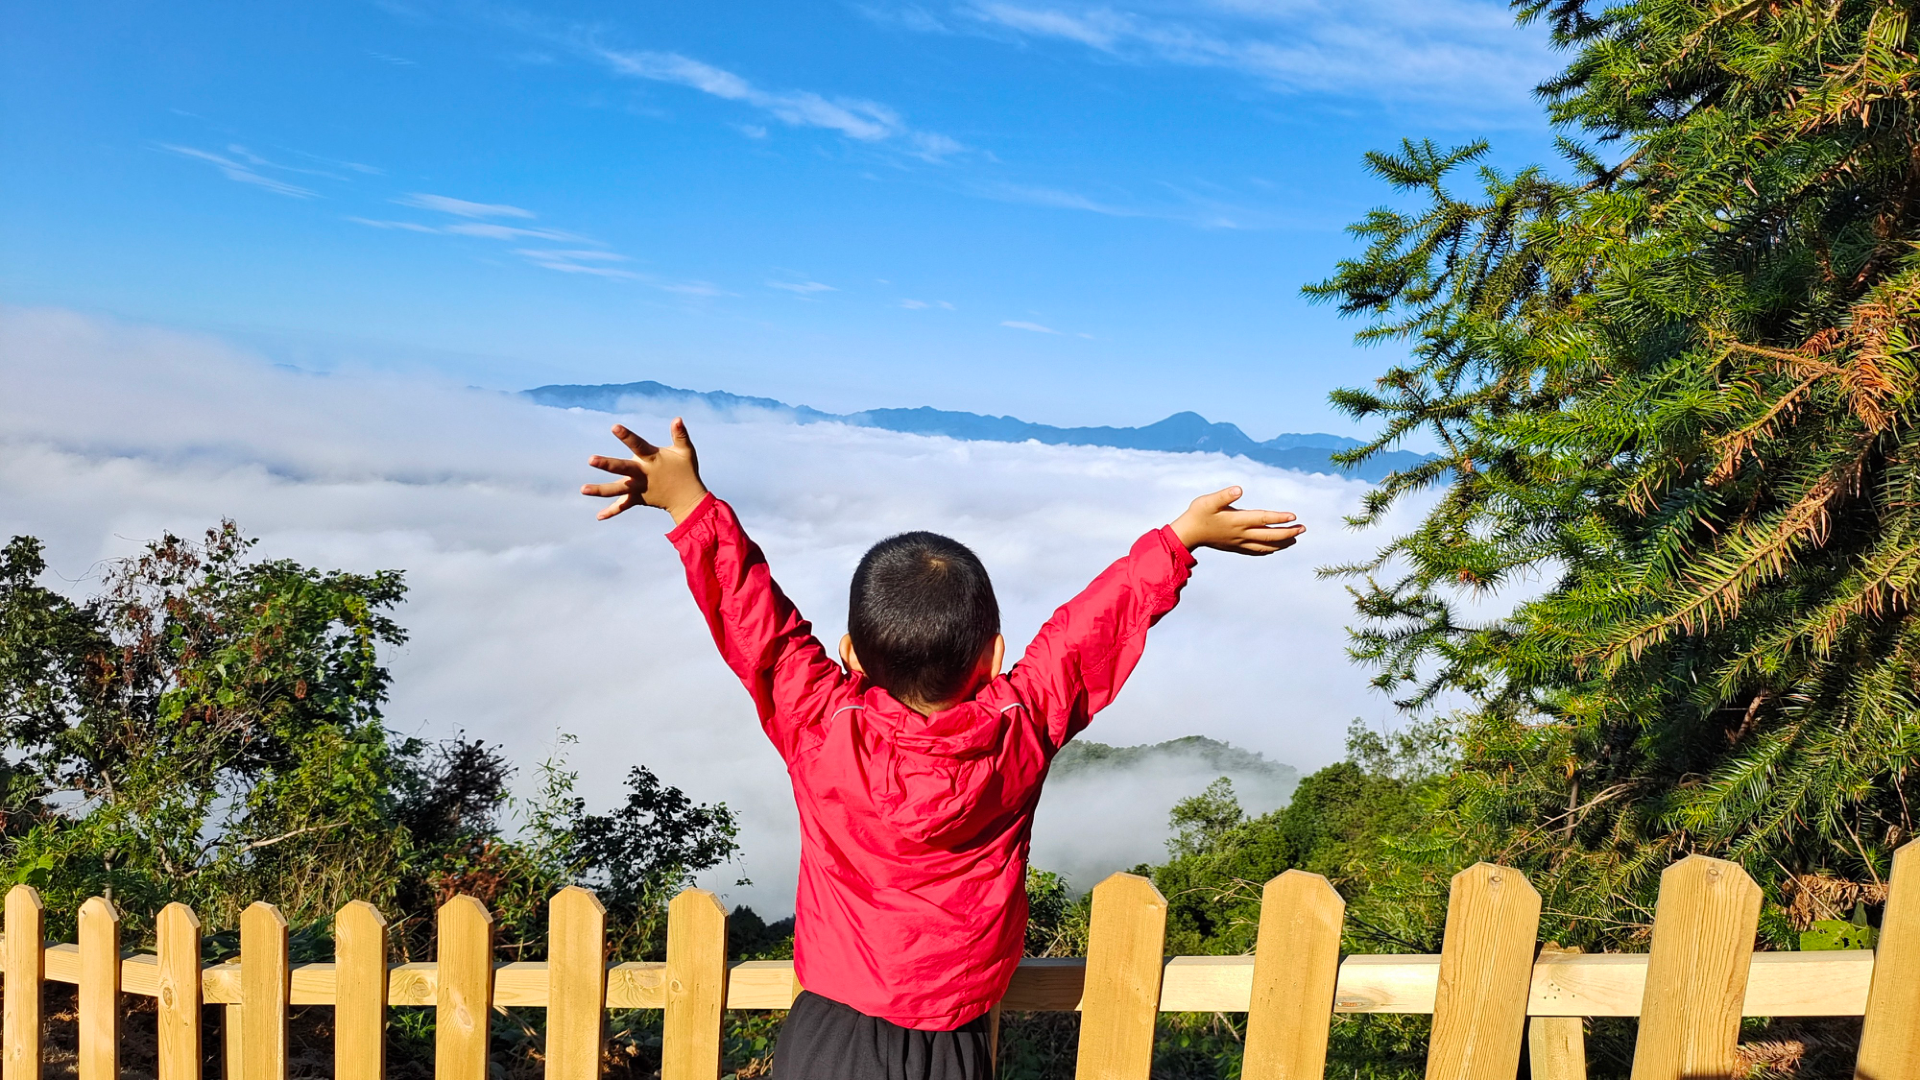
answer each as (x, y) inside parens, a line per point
(1492, 987)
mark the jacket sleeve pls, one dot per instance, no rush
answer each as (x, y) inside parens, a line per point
(1080, 659)
(760, 634)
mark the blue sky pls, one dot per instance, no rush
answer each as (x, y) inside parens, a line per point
(1072, 212)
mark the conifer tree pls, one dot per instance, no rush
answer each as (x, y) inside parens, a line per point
(1674, 384)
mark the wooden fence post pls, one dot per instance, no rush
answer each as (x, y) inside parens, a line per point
(462, 1021)
(696, 987)
(1703, 929)
(1890, 1036)
(176, 936)
(1296, 962)
(576, 984)
(99, 990)
(25, 970)
(1557, 1045)
(266, 989)
(360, 992)
(1486, 972)
(1121, 1001)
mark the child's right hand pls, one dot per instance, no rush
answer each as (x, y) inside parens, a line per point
(1212, 521)
(664, 476)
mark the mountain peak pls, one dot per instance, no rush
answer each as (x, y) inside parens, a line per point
(1182, 432)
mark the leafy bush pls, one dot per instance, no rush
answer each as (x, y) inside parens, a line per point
(208, 728)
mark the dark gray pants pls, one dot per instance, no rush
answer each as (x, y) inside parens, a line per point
(825, 1040)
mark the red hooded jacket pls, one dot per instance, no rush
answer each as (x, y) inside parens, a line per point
(912, 904)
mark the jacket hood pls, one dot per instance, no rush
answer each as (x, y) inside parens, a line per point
(935, 779)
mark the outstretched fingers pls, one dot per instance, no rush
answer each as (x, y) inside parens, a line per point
(1253, 519)
(615, 509)
(623, 466)
(640, 446)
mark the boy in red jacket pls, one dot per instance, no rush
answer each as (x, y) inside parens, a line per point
(916, 764)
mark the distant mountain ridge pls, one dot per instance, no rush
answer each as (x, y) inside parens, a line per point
(1183, 432)
(1083, 757)
(1105, 808)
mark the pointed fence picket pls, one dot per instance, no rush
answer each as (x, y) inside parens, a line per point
(576, 985)
(23, 966)
(266, 992)
(1697, 971)
(463, 995)
(99, 1004)
(1296, 964)
(176, 933)
(1490, 990)
(360, 992)
(1486, 975)
(1125, 939)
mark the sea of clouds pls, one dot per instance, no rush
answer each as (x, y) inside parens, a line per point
(529, 618)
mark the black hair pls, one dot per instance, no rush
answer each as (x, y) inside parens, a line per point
(921, 612)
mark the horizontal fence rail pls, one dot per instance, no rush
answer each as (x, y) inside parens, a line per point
(1563, 984)
(1491, 988)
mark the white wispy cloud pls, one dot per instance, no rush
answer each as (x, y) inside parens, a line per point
(1031, 327)
(513, 232)
(405, 226)
(575, 256)
(355, 166)
(596, 261)
(803, 288)
(569, 261)
(856, 118)
(692, 288)
(486, 230)
(461, 207)
(1467, 52)
(1167, 202)
(921, 305)
(256, 161)
(242, 172)
(1063, 200)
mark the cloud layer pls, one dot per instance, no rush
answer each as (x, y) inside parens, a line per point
(529, 618)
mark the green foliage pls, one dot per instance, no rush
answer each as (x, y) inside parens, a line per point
(1676, 399)
(1828, 934)
(1346, 822)
(205, 727)
(209, 729)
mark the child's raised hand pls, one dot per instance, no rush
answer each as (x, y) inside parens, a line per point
(664, 476)
(1213, 521)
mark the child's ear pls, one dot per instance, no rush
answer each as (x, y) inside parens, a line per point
(999, 655)
(852, 659)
